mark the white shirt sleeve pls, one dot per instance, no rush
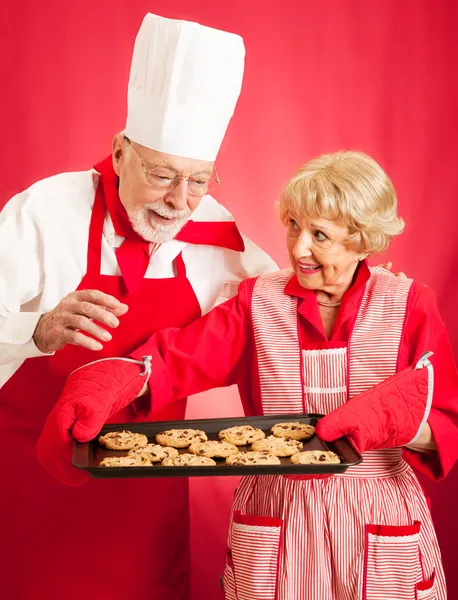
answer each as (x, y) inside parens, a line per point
(21, 277)
(243, 265)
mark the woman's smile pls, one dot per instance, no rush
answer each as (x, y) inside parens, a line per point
(308, 268)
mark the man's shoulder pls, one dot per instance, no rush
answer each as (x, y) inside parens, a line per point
(210, 209)
(64, 185)
(55, 193)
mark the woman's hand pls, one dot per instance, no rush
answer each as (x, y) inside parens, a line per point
(91, 395)
(389, 415)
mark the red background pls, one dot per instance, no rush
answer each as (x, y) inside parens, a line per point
(378, 76)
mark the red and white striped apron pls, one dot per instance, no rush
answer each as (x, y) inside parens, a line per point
(364, 535)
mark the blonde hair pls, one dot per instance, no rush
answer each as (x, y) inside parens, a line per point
(349, 187)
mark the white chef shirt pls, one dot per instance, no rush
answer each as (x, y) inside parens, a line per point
(43, 257)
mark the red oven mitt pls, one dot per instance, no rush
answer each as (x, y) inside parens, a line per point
(92, 394)
(389, 415)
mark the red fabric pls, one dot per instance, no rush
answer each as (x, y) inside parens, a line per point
(378, 76)
(224, 234)
(91, 395)
(423, 329)
(257, 521)
(133, 259)
(425, 585)
(133, 255)
(59, 538)
(393, 530)
(223, 339)
(385, 416)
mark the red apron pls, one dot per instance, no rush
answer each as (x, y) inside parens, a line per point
(107, 539)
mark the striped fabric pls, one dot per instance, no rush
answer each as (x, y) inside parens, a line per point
(377, 331)
(325, 552)
(391, 556)
(325, 377)
(323, 543)
(261, 543)
(230, 593)
(276, 338)
(427, 590)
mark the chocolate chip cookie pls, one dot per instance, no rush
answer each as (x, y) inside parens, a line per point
(293, 430)
(188, 460)
(240, 435)
(278, 446)
(315, 457)
(122, 440)
(213, 449)
(154, 452)
(180, 438)
(253, 458)
(126, 461)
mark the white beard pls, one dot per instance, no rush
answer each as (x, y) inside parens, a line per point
(144, 225)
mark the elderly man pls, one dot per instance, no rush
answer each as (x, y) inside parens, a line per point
(92, 264)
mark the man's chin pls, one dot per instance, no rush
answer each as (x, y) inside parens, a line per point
(162, 233)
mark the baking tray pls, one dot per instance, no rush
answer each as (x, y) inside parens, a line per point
(88, 455)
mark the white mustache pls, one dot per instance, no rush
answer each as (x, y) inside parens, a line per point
(166, 212)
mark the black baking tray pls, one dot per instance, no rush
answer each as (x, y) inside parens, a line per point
(88, 455)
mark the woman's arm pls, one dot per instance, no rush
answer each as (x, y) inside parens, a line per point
(425, 442)
(204, 355)
(436, 450)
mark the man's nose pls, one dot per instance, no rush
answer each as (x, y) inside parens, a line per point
(178, 195)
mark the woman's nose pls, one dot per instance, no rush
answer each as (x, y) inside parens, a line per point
(303, 247)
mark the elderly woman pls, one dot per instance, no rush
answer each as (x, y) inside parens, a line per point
(331, 336)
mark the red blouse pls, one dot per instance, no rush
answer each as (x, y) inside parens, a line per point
(219, 350)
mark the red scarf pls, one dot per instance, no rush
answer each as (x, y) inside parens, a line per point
(133, 255)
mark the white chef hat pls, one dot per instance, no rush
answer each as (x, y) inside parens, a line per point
(184, 84)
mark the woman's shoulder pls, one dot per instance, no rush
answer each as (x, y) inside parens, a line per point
(422, 297)
(416, 294)
(383, 282)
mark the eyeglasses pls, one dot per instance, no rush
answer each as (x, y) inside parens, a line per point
(159, 179)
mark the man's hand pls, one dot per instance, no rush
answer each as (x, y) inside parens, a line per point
(389, 265)
(74, 317)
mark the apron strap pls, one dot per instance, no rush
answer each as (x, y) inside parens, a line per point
(94, 246)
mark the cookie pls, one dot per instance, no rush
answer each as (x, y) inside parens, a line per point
(240, 435)
(180, 438)
(213, 449)
(278, 446)
(295, 431)
(154, 452)
(253, 458)
(315, 457)
(126, 461)
(122, 440)
(188, 460)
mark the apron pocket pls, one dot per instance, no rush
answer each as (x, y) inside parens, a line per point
(255, 555)
(426, 590)
(392, 562)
